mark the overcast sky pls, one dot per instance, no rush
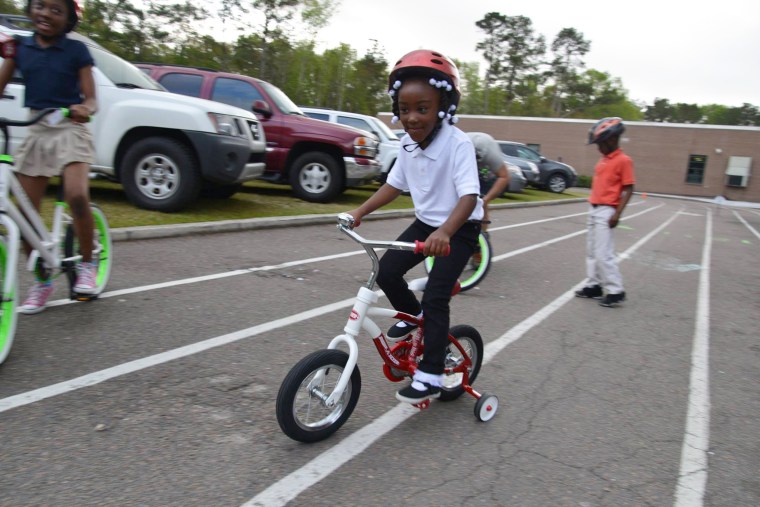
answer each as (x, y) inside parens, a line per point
(674, 49)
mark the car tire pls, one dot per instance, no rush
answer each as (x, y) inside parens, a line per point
(160, 174)
(317, 177)
(557, 183)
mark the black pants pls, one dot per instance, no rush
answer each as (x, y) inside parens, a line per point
(441, 281)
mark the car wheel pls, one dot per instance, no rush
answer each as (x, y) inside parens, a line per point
(160, 174)
(316, 177)
(556, 183)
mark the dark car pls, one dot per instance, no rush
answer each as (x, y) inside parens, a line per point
(554, 176)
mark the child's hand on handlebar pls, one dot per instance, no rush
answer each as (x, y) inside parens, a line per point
(437, 244)
(79, 113)
(357, 217)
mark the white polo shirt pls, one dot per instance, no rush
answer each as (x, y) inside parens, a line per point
(438, 176)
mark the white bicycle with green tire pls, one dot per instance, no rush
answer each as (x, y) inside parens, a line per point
(55, 251)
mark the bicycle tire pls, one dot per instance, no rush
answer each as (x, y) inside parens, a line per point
(472, 343)
(472, 275)
(8, 314)
(300, 413)
(102, 249)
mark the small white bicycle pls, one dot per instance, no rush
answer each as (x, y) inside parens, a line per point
(320, 392)
(55, 251)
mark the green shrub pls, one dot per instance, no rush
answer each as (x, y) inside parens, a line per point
(584, 181)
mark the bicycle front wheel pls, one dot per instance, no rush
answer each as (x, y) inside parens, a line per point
(302, 412)
(102, 248)
(8, 289)
(476, 268)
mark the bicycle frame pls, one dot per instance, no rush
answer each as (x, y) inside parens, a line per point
(359, 319)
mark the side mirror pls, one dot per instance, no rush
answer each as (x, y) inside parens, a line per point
(261, 107)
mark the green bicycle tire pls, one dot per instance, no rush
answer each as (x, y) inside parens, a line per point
(8, 315)
(470, 278)
(103, 241)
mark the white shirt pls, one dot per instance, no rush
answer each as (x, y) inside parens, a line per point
(438, 176)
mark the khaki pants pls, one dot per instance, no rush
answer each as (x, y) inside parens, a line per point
(601, 264)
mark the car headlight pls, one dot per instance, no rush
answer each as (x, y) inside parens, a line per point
(226, 125)
(533, 168)
(365, 147)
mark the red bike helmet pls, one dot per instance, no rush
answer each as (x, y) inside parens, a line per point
(430, 62)
(604, 129)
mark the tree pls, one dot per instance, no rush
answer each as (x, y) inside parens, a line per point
(568, 48)
(512, 50)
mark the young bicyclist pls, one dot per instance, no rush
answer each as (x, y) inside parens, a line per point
(437, 166)
(57, 72)
(611, 189)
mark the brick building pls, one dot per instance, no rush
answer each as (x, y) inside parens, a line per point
(669, 158)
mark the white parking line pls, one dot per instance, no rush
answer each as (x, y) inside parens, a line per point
(97, 377)
(746, 224)
(293, 484)
(692, 476)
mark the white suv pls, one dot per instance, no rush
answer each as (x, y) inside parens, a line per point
(389, 142)
(165, 149)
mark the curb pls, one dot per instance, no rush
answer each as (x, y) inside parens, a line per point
(178, 230)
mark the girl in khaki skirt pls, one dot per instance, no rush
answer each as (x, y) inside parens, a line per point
(57, 72)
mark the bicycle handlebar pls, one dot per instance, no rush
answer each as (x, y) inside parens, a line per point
(25, 123)
(346, 225)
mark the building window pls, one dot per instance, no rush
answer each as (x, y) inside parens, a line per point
(696, 171)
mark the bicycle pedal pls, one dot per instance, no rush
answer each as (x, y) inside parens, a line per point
(422, 405)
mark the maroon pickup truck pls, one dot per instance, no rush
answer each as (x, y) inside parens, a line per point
(319, 160)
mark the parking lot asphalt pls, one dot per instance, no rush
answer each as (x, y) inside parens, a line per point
(176, 230)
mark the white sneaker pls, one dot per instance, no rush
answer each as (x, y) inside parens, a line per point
(86, 274)
(37, 299)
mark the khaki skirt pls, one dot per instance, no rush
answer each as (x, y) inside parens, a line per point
(47, 149)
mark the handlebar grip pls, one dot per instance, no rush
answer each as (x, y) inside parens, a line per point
(419, 246)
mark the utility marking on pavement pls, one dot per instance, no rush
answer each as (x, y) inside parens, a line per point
(289, 487)
(692, 476)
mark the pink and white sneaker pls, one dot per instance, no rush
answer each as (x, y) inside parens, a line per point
(85, 283)
(37, 299)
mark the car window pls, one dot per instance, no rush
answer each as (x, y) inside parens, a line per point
(282, 101)
(318, 116)
(355, 122)
(185, 84)
(528, 154)
(119, 71)
(235, 92)
(508, 149)
(384, 129)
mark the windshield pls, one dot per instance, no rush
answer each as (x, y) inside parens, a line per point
(382, 127)
(282, 101)
(121, 72)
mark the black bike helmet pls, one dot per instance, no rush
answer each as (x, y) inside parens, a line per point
(604, 129)
(74, 12)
